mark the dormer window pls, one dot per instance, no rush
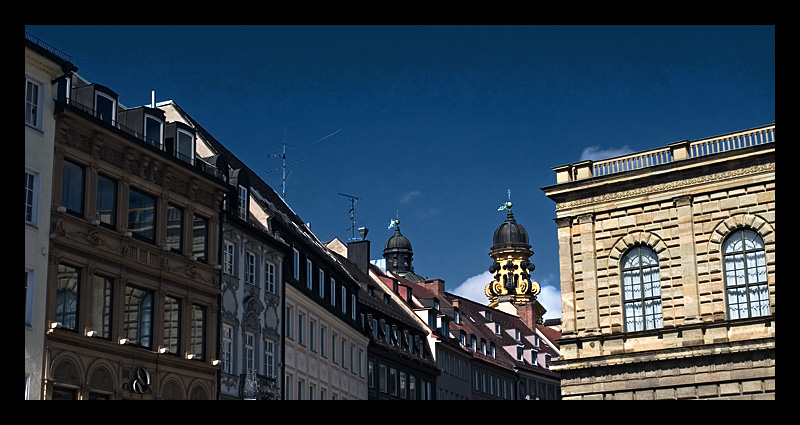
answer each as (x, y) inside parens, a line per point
(105, 107)
(436, 303)
(517, 335)
(154, 131)
(456, 315)
(184, 148)
(497, 329)
(474, 343)
(463, 338)
(242, 210)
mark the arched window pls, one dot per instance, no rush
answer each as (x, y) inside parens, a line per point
(641, 289)
(745, 275)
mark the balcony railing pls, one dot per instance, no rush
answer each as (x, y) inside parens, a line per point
(674, 152)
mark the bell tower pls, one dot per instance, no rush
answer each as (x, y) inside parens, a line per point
(512, 289)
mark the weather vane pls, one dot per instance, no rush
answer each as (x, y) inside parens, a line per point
(506, 205)
(395, 222)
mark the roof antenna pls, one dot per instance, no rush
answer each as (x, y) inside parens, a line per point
(353, 200)
(282, 156)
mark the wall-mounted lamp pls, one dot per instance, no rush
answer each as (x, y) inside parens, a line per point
(123, 341)
(162, 349)
(217, 266)
(165, 248)
(215, 362)
(61, 208)
(189, 355)
(53, 326)
(127, 234)
(92, 333)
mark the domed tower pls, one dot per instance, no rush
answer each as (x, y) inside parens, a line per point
(397, 252)
(512, 286)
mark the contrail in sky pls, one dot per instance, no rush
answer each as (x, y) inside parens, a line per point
(327, 136)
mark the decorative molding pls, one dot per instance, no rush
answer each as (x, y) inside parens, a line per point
(614, 196)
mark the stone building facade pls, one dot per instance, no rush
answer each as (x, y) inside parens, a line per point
(667, 262)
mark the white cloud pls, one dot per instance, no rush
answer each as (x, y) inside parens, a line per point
(408, 196)
(473, 289)
(596, 153)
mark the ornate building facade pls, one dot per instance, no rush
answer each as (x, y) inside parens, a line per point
(133, 282)
(667, 262)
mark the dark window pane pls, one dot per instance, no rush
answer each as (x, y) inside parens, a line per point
(72, 187)
(199, 237)
(106, 200)
(141, 214)
(174, 227)
(67, 297)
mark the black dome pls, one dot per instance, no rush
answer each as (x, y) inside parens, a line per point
(397, 242)
(510, 233)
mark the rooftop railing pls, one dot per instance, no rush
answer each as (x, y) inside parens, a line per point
(55, 52)
(673, 152)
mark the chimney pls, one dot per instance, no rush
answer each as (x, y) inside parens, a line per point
(527, 312)
(358, 253)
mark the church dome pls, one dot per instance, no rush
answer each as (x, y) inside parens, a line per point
(397, 242)
(510, 233)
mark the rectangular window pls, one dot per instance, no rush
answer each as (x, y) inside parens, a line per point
(353, 306)
(360, 362)
(198, 332)
(269, 277)
(72, 187)
(323, 341)
(269, 358)
(153, 131)
(105, 108)
(322, 283)
(138, 316)
(31, 197)
(227, 258)
(106, 200)
(199, 238)
(67, 294)
(227, 349)
(344, 298)
(392, 381)
(312, 334)
(301, 337)
(33, 100)
(371, 374)
(382, 378)
(172, 324)
(101, 306)
(344, 353)
(242, 209)
(249, 353)
(250, 272)
(174, 228)
(403, 393)
(184, 148)
(296, 265)
(334, 345)
(309, 268)
(141, 215)
(333, 291)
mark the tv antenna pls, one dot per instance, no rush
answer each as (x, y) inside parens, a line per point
(353, 200)
(282, 156)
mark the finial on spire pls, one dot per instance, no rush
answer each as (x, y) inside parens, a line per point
(506, 205)
(395, 223)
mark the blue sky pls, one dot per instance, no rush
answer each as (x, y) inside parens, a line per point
(437, 122)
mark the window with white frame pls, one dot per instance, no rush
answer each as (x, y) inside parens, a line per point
(344, 299)
(154, 131)
(34, 94)
(269, 277)
(31, 197)
(243, 197)
(250, 272)
(269, 358)
(184, 147)
(296, 264)
(333, 291)
(641, 289)
(321, 283)
(249, 353)
(227, 349)
(228, 257)
(105, 107)
(745, 265)
(309, 268)
(353, 306)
